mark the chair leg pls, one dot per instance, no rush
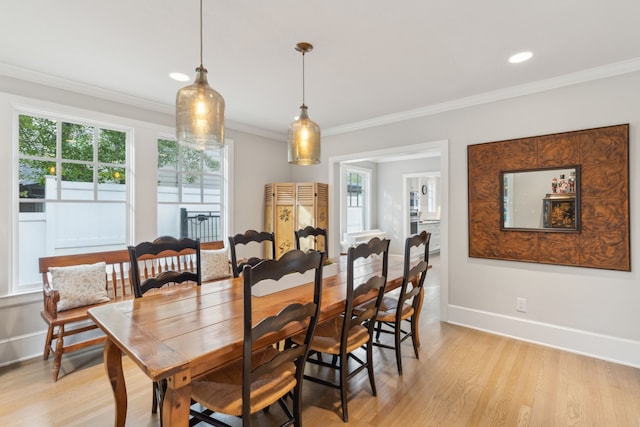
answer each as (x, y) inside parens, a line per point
(297, 410)
(162, 390)
(57, 356)
(397, 333)
(378, 330)
(154, 398)
(343, 385)
(159, 389)
(414, 335)
(372, 380)
(47, 343)
(415, 320)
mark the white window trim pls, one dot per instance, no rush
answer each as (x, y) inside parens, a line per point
(344, 169)
(28, 106)
(227, 158)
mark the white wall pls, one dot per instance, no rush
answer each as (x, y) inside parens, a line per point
(584, 310)
(258, 161)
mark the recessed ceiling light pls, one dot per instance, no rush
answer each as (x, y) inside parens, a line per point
(520, 57)
(179, 77)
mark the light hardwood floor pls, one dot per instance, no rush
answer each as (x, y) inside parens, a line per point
(463, 378)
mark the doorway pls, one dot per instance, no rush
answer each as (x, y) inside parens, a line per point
(394, 205)
(421, 200)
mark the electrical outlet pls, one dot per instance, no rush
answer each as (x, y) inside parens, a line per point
(521, 305)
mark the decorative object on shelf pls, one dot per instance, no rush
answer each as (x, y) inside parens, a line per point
(304, 134)
(559, 211)
(291, 206)
(572, 182)
(563, 185)
(200, 111)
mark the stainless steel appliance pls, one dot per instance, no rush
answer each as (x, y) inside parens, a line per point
(414, 211)
(414, 201)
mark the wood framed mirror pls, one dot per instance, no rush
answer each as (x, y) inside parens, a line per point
(601, 238)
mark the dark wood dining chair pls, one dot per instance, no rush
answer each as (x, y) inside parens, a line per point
(265, 375)
(405, 309)
(340, 336)
(315, 232)
(249, 236)
(164, 261)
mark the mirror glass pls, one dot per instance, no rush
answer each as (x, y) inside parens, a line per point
(541, 199)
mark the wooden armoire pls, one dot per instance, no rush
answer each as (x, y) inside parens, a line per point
(290, 206)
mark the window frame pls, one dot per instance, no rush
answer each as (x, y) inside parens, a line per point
(226, 190)
(346, 168)
(61, 115)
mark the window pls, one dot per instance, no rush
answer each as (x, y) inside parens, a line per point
(72, 190)
(433, 198)
(358, 195)
(192, 191)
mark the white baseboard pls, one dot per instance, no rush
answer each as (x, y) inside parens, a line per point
(599, 346)
(31, 345)
(23, 347)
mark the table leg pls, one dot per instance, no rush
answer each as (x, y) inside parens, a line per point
(177, 400)
(113, 366)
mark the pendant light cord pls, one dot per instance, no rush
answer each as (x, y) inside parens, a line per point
(303, 52)
(201, 66)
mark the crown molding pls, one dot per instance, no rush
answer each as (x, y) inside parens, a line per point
(82, 88)
(242, 127)
(605, 71)
(37, 77)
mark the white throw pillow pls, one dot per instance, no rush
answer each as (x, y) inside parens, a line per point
(79, 285)
(214, 264)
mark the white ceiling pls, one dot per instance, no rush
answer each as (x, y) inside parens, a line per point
(373, 61)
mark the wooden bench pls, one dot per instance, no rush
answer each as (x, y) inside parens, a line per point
(74, 321)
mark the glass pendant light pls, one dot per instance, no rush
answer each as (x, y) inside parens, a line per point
(200, 111)
(304, 133)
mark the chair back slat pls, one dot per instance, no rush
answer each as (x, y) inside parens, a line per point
(159, 257)
(249, 236)
(314, 232)
(414, 270)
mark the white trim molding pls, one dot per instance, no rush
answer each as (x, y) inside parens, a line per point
(606, 347)
(610, 70)
(22, 347)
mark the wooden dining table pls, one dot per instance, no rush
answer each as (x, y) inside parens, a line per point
(182, 333)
